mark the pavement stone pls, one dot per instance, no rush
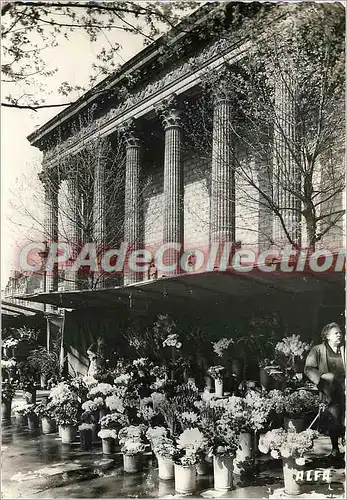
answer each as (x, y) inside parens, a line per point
(40, 466)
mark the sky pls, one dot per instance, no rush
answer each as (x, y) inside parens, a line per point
(20, 162)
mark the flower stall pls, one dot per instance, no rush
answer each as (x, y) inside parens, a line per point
(151, 409)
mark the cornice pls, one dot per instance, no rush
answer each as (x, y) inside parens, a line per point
(138, 61)
(187, 76)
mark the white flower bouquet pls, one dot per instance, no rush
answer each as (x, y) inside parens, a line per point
(101, 391)
(135, 432)
(191, 446)
(140, 362)
(8, 363)
(292, 347)
(114, 421)
(216, 372)
(86, 427)
(115, 403)
(91, 406)
(164, 447)
(156, 432)
(172, 341)
(123, 379)
(285, 444)
(221, 346)
(107, 434)
(10, 342)
(131, 447)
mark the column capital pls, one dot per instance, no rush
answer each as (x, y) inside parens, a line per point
(50, 180)
(222, 91)
(130, 133)
(169, 112)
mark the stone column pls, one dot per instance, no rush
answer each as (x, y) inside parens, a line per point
(50, 181)
(286, 175)
(132, 227)
(173, 231)
(74, 229)
(222, 215)
(99, 215)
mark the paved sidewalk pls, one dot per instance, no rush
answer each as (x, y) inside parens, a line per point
(40, 466)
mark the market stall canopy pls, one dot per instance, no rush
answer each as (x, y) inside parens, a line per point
(213, 287)
(15, 309)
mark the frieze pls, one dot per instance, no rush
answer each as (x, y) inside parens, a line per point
(188, 67)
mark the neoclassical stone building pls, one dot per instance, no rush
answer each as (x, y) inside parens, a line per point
(167, 184)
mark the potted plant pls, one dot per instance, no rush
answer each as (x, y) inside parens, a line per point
(216, 373)
(191, 445)
(67, 416)
(108, 438)
(131, 439)
(86, 435)
(45, 362)
(9, 346)
(47, 420)
(291, 352)
(21, 419)
(100, 392)
(246, 416)
(7, 394)
(271, 376)
(291, 447)
(29, 411)
(297, 405)
(27, 376)
(164, 449)
(217, 427)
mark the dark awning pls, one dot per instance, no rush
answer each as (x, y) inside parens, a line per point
(10, 308)
(213, 286)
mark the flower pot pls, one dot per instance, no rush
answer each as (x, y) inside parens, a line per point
(68, 434)
(33, 422)
(245, 450)
(44, 400)
(223, 472)
(95, 437)
(48, 425)
(264, 379)
(185, 479)
(21, 419)
(6, 409)
(298, 423)
(7, 352)
(290, 468)
(86, 438)
(218, 387)
(30, 396)
(166, 468)
(60, 430)
(236, 368)
(132, 463)
(208, 383)
(43, 381)
(202, 468)
(246, 440)
(107, 446)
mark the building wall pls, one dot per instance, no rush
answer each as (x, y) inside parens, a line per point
(197, 169)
